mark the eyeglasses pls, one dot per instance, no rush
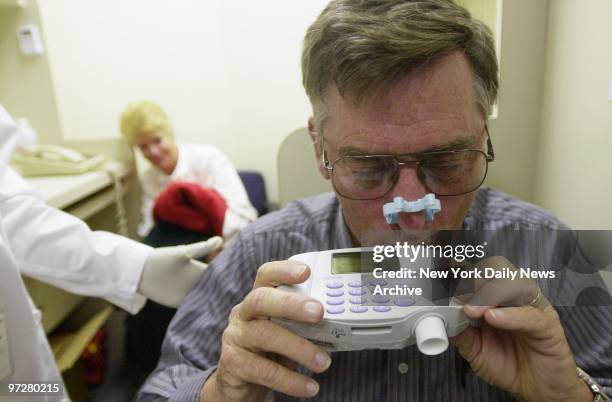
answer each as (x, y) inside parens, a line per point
(444, 173)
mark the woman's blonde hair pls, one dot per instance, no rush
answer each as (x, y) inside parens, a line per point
(140, 119)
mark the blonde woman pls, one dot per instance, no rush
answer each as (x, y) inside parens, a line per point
(146, 125)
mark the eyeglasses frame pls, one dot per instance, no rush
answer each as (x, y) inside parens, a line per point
(489, 157)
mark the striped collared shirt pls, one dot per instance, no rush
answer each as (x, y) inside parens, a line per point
(192, 345)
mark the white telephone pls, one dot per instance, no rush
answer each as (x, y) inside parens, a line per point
(54, 160)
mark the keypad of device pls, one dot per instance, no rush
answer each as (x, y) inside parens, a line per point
(348, 294)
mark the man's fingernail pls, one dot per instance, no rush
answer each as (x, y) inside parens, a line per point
(322, 360)
(477, 309)
(312, 387)
(312, 309)
(299, 269)
(496, 313)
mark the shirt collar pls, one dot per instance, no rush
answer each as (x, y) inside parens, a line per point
(180, 164)
(341, 237)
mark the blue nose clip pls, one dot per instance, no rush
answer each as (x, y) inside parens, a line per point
(429, 204)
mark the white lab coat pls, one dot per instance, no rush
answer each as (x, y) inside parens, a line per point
(57, 248)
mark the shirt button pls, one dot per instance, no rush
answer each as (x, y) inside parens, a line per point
(402, 368)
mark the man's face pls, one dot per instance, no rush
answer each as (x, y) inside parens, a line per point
(430, 109)
(160, 150)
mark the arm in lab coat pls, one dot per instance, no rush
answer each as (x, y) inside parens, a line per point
(60, 249)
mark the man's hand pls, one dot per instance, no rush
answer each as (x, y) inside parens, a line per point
(257, 354)
(520, 347)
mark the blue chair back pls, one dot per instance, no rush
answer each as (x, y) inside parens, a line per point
(256, 190)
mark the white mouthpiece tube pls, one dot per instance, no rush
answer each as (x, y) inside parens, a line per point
(431, 336)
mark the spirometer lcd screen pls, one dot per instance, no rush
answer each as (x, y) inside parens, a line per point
(346, 263)
(360, 263)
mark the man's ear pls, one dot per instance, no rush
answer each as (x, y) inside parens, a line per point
(316, 139)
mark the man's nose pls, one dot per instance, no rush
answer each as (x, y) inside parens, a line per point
(410, 188)
(408, 184)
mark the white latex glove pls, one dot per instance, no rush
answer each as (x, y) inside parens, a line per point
(169, 272)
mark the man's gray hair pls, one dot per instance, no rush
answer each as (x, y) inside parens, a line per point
(364, 45)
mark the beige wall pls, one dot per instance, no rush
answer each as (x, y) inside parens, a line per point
(515, 131)
(553, 134)
(25, 82)
(228, 73)
(574, 165)
(484, 10)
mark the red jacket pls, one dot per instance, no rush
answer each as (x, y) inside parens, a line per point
(191, 207)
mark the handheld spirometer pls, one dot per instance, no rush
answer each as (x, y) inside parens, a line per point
(357, 316)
